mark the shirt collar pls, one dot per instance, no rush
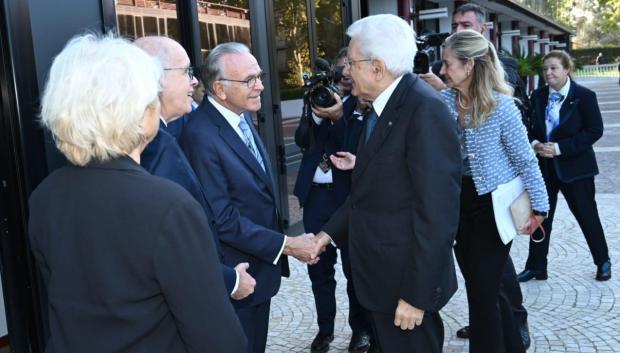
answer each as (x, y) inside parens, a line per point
(563, 91)
(231, 117)
(163, 121)
(379, 103)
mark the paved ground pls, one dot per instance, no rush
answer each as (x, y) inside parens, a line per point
(570, 312)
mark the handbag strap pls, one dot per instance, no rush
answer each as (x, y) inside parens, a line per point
(532, 228)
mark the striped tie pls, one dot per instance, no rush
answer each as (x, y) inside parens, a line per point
(248, 139)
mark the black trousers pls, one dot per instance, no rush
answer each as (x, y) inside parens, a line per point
(482, 258)
(511, 289)
(579, 196)
(255, 323)
(319, 207)
(426, 338)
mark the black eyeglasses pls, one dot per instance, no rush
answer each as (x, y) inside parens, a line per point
(348, 63)
(250, 81)
(189, 71)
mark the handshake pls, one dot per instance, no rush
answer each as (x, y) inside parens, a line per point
(307, 247)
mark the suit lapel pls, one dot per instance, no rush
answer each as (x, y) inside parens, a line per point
(385, 122)
(569, 106)
(230, 137)
(268, 172)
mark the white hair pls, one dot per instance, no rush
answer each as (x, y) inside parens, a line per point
(388, 38)
(95, 98)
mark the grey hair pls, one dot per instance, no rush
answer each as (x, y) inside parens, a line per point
(212, 68)
(471, 7)
(98, 90)
(388, 38)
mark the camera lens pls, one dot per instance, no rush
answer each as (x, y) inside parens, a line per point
(322, 97)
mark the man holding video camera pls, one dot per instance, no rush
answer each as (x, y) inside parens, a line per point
(321, 189)
(471, 16)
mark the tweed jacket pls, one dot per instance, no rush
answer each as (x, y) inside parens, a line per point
(499, 150)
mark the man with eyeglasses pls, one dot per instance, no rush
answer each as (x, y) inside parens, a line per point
(163, 156)
(321, 189)
(401, 217)
(232, 164)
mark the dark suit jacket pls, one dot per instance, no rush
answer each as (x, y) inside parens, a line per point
(241, 195)
(328, 138)
(403, 211)
(163, 157)
(581, 125)
(127, 265)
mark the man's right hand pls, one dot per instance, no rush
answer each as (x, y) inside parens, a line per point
(332, 113)
(247, 283)
(433, 80)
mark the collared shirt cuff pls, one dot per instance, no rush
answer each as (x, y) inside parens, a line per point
(317, 120)
(275, 262)
(557, 149)
(534, 143)
(236, 284)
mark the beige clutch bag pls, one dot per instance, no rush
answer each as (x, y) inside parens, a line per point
(521, 210)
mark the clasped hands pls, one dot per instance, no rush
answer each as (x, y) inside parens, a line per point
(546, 150)
(305, 248)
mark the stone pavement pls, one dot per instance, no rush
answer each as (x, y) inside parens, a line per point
(570, 312)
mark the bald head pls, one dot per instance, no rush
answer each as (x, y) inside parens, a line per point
(163, 48)
(177, 84)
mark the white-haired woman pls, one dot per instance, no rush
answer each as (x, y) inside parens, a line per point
(495, 150)
(123, 254)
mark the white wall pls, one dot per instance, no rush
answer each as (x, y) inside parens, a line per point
(376, 7)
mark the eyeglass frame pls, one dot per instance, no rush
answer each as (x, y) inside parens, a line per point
(189, 71)
(261, 76)
(348, 62)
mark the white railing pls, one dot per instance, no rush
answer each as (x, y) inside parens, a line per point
(605, 70)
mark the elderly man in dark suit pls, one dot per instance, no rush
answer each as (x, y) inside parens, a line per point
(321, 189)
(402, 214)
(163, 156)
(233, 166)
(126, 257)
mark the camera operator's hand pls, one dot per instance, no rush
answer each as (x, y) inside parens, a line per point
(332, 113)
(433, 80)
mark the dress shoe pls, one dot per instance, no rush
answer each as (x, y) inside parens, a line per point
(321, 342)
(463, 332)
(360, 342)
(527, 275)
(603, 272)
(524, 332)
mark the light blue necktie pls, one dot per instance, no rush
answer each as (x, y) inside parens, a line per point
(550, 115)
(248, 139)
(371, 121)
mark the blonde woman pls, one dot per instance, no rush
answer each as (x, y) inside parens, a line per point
(495, 150)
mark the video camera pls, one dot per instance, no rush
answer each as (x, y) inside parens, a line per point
(322, 85)
(426, 48)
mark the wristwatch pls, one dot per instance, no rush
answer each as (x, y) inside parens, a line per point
(539, 213)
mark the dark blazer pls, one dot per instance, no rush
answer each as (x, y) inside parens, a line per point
(327, 138)
(403, 211)
(127, 265)
(163, 157)
(581, 125)
(241, 195)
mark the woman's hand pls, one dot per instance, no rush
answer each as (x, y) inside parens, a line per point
(530, 226)
(343, 160)
(545, 150)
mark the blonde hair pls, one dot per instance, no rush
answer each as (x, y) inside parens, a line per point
(95, 98)
(488, 73)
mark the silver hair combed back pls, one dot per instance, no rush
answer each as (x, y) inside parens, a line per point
(211, 70)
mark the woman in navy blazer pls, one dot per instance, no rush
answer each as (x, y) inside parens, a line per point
(567, 122)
